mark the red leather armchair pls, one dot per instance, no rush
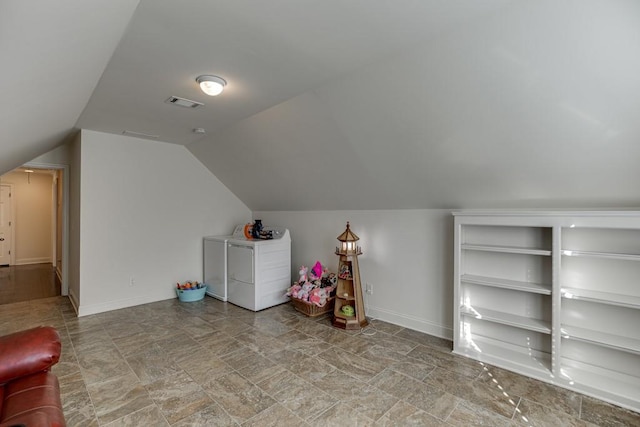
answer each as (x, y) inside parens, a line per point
(29, 392)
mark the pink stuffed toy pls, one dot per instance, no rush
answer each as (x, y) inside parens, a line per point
(294, 290)
(314, 297)
(305, 291)
(303, 274)
(316, 271)
(319, 296)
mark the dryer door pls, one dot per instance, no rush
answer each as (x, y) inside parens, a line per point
(240, 263)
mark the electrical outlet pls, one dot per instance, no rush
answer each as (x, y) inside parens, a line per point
(369, 288)
(132, 281)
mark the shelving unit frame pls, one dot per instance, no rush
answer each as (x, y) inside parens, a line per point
(349, 292)
(532, 266)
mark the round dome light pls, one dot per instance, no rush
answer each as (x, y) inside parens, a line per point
(211, 85)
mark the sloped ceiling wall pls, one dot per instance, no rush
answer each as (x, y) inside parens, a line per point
(52, 55)
(537, 106)
(345, 105)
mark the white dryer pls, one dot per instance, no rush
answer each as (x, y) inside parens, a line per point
(258, 272)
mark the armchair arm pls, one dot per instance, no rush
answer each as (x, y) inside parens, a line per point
(27, 352)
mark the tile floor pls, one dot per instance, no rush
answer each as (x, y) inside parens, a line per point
(213, 364)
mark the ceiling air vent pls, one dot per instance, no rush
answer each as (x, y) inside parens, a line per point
(140, 134)
(182, 102)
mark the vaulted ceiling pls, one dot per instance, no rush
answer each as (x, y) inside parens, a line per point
(336, 104)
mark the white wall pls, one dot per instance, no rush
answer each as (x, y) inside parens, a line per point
(32, 198)
(59, 156)
(75, 171)
(407, 257)
(144, 208)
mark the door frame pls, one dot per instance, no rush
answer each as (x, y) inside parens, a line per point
(12, 246)
(64, 287)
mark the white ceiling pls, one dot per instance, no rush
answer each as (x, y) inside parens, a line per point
(53, 54)
(335, 104)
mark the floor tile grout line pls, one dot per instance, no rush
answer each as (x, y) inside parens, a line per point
(281, 317)
(84, 382)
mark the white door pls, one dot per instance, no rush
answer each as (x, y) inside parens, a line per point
(240, 263)
(240, 286)
(5, 224)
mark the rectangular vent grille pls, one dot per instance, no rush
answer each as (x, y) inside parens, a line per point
(182, 102)
(140, 134)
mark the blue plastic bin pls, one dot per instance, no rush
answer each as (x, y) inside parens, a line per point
(190, 295)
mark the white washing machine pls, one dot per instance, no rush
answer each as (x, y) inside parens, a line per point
(257, 273)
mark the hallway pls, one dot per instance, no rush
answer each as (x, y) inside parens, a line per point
(28, 282)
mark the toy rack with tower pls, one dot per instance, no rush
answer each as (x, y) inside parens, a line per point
(348, 311)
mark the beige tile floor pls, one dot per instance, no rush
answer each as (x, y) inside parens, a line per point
(210, 363)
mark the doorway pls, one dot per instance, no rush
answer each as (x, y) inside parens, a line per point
(39, 226)
(6, 218)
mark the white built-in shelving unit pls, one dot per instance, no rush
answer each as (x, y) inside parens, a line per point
(552, 295)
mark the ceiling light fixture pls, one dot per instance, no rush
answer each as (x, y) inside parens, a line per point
(211, 85)
(29, 172)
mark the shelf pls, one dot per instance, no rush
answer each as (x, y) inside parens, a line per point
(603, 383)
(505, 249)
(344, 322)
(344, 316)
(627, 301)
(616, 342)
(605, 255)
(521, 322)
(568, 276)
(348, 282)
(497, 353)
(536, 288)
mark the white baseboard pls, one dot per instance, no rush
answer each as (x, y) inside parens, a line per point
(74, 301)
(26, 261)
(400, 319)
(86, 310)
(410, 322)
